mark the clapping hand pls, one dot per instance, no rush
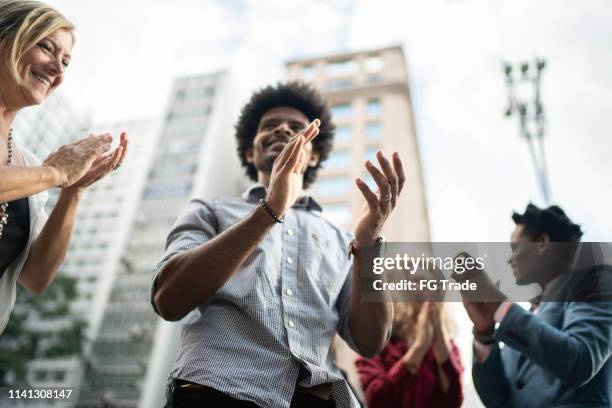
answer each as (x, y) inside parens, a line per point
(390, 182)
(103, 165)
(286, 177)
(482, 303)
(73, 160)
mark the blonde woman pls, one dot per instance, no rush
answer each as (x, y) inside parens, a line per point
(35, 46)
(420, 366)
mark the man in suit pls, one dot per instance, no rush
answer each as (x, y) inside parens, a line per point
(558, 354)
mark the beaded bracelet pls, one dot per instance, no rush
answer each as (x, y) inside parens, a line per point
(267, 208)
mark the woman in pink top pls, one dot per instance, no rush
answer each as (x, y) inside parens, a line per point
(420, 367)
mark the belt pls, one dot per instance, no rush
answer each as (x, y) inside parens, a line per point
(322, 391)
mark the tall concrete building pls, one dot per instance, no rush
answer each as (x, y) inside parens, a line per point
(194, 156)
(371, 106)
(103, 222)
(369, 94)
(100, 232)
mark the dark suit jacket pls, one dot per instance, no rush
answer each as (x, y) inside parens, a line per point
(559, 357)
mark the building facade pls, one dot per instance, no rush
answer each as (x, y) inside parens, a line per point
(104, 220)
(134, 349)
(369, 94)
(371, 106)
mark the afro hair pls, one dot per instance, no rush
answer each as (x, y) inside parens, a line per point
(298, 95)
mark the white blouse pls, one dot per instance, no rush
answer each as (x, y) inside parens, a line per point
(38, 217)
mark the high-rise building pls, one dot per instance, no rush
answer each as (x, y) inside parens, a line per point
(369, 94)
(133, 348)
(104, 219)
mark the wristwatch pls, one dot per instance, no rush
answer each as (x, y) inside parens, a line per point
(379, 247)
(486, 339)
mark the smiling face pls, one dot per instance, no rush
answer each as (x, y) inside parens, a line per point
(43, 66)
(276, 128)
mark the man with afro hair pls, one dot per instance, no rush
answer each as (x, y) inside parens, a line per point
(263, 283)
(559, 354)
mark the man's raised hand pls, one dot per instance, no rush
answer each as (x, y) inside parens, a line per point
(287, 176)
(390, 181)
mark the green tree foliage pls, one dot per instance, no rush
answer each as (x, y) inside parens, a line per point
(23, 340)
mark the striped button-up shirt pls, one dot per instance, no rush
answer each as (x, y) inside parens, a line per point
(275, 318)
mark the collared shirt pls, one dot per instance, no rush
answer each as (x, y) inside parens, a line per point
(277, 315)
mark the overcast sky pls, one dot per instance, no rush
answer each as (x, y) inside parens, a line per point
(477, 169)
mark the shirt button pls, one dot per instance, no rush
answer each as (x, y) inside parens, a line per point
(291, 324)
(290, 260)
(290, 232)
(289, 292)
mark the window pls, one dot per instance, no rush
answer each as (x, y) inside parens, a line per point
(338, 160)
(179, 169)
(370, 182)
(209, 91)
(371, 155)
(308, 72)
(180, 95)
(343, 135)
(337, 84)
(374, 64)
(337, 213)
(333, 186)
(373, 107)
(59, 376)
(341, 111)
(175, 189)
(373, 130)
(341, 68)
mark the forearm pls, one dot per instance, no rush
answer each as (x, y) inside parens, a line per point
(49, 249)
(414, 357)
(442, 348)
(441, 355)
(449, 369)
(181, 284)
(584, 341)
(23, 181)
(369, 322)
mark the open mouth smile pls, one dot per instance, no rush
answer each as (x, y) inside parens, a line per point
(276, 146)
(42, 79)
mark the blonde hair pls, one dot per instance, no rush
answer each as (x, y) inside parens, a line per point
(405, 317)
(23, 23)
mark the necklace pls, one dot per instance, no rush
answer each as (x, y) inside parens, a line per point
(4, 206)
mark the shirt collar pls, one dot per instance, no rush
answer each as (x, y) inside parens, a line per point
(258, 191)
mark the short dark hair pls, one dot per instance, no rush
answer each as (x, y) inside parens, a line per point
(297, 95)
(551, 221)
